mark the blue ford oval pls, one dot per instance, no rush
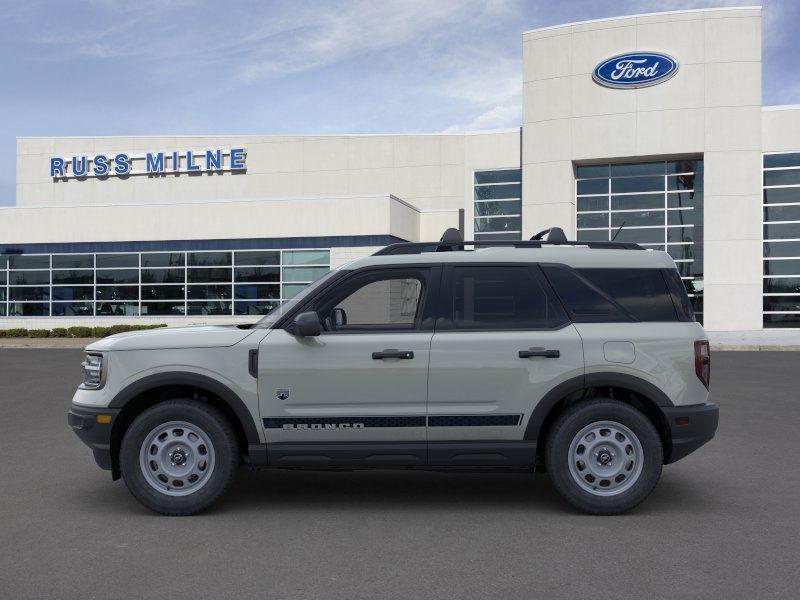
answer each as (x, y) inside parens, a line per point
(635, 70)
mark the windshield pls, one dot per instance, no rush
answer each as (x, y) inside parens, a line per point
(288, 306)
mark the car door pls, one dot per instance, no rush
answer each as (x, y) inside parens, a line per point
(356, 393)
(502, 342)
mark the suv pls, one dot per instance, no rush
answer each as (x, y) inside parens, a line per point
(581, 359)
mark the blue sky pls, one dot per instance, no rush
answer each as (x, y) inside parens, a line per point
(152, 67)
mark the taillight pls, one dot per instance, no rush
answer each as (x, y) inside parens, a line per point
(702, 361)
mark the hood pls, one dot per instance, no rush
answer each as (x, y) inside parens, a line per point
(203, 336)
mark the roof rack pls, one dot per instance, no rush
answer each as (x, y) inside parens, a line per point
(451, 241)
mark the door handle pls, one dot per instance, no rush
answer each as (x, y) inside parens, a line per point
(531, 352)
(392, 353)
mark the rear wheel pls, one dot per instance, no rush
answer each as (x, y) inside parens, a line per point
(178, 457)
(604, 456)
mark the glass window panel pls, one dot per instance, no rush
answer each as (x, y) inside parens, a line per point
(689, 269)
(642, 236)
(782, 231)
(496, 237)
(782, 195)
(506, 224)
(684, 217)
(637, 184)
(642, 201)
(29, 262)
(3, 309)
(28, 309)
(685, 200)
(643, 292)
(113, 261)
(3, 262)
(208, 292)
(684, 182)
(638, 218)
(594, 203)
(587, 171)
(593, 236)
(292, 289)
(306, 257)
(29, 277)
(2, 294)
(73, 309)
(592, 186)
(209, 275)
(117, 292)
(494, 192)
(684, 166)
(772, 249)
(593, 220)
(118, 276)
(162, 292)
(293, 274)
(29, 293)
(221, 307)
(782, 213)
(2, 277)
(257, 274)
(648, 168)
(506, 207)
(499, 176)
(789, 159)
(783, 303)
(681, 251)
(73, 261)
(163, 259)
(782, 285)
(254, 307)
(680, 234)
(163, 276)
(83, 292)
(788, 177)
(209, 259)
(782, 267)
(777, 321)
(257, 258)
(117, 309)
(248, 292)
(64, 277)
(163, 309)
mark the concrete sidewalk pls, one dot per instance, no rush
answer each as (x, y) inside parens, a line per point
(46, 342)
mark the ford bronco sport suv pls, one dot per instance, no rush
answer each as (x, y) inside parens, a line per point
(581, 359)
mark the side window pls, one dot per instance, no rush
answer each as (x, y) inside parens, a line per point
(377, 301)
(642, 292)
(585, 302)
(498, 298)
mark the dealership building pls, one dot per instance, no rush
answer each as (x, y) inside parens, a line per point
(646, 129)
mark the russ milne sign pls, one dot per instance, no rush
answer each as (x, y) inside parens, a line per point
(151, 163)
(635, 70)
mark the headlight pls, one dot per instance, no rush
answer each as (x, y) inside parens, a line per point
(93, 371)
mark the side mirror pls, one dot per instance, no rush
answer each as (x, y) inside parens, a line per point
(306, 324)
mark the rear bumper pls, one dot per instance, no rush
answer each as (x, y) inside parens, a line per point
(690, 427)
(97, 435)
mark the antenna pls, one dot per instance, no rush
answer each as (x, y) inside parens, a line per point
(618, 230)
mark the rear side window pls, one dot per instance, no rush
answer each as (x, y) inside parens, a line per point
(585, 302)
(500, 298)
(642, 292)
(679, 297)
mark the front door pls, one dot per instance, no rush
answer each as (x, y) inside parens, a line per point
(357, 393)
(501, 343)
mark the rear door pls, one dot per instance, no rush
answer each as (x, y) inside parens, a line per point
(502, 342)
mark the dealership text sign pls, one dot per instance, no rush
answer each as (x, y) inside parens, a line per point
(151, 163)
(635, 70)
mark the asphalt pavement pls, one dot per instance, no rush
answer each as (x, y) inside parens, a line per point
(722, 523)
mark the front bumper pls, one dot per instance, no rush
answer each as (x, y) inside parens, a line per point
(690, 427)
(94, 431)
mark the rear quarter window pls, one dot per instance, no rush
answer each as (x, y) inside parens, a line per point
(642, 292)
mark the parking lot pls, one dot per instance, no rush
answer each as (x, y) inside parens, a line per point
(723, 523)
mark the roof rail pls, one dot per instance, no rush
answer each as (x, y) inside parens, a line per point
(450, 245)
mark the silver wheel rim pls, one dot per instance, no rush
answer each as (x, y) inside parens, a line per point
(177, 458)
(605, 458)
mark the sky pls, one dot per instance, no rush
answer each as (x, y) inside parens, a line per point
(155, 67)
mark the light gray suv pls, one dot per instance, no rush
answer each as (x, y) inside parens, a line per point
(582, 359)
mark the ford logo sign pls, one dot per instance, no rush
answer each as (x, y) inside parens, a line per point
(635, 70)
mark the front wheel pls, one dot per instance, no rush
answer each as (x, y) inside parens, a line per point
(604, 456)
(178, 457)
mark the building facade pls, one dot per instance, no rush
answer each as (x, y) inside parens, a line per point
(667, 145)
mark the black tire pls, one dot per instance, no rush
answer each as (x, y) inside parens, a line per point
(557, 456)
(225, 452)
